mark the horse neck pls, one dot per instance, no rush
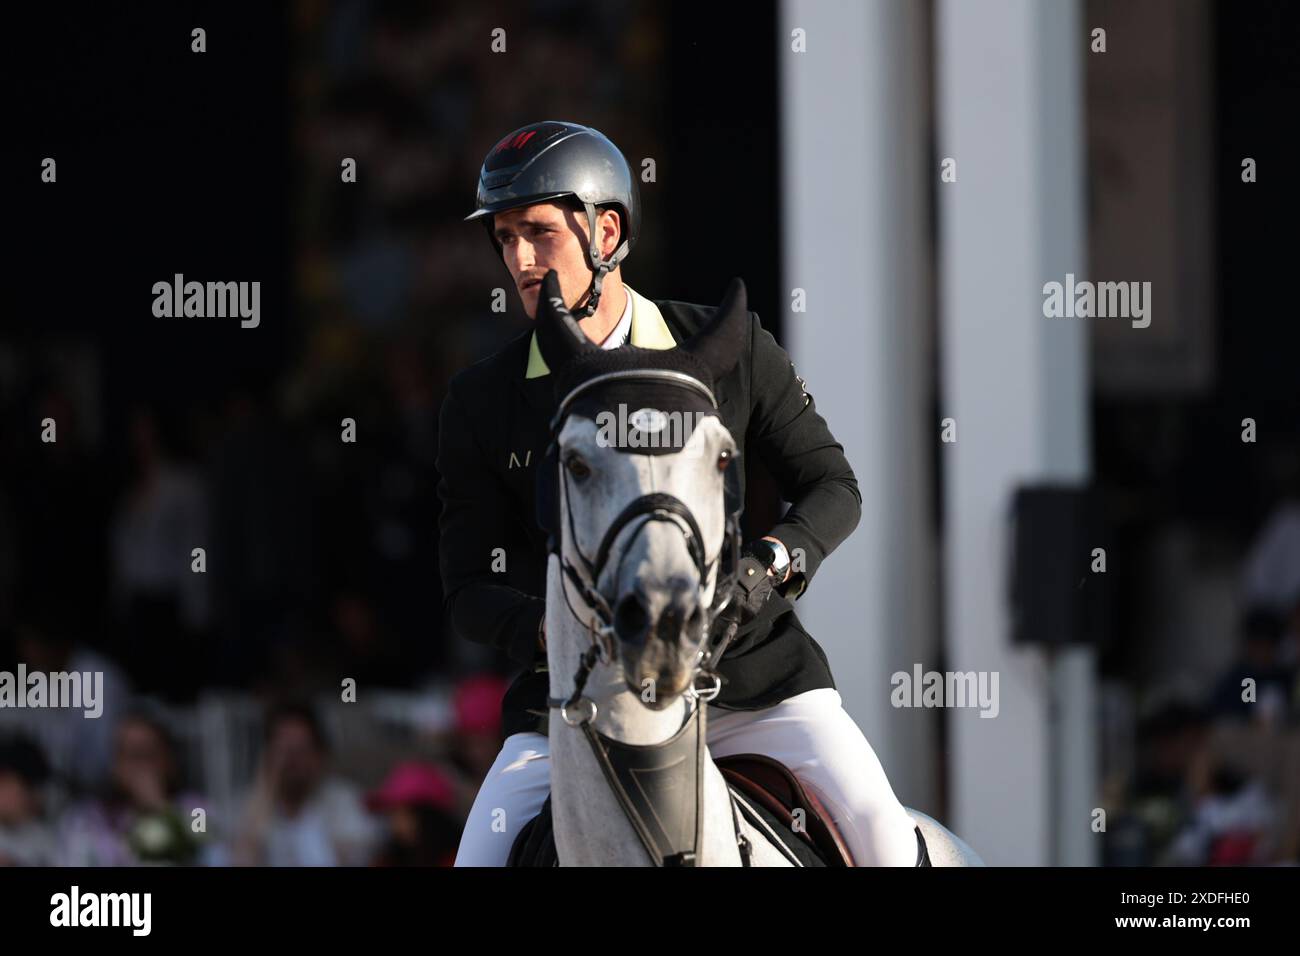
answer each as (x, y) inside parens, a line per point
(590, 826)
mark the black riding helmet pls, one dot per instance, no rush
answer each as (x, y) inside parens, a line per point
(553, 160)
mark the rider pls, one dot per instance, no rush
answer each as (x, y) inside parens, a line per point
(561, 196)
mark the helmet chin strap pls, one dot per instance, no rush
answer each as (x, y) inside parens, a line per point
(599, 265)
(593, 301)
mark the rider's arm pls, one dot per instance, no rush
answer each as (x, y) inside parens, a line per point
(475, 520)
(795, 443)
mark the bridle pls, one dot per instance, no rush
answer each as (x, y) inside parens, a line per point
(655, 506)
(668, 839)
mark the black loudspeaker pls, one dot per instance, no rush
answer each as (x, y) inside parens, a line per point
(1056, 595)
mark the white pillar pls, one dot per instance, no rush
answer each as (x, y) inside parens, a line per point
(1010, 113)
(854, 113)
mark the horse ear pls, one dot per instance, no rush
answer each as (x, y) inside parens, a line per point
(559, 337)
(718, 344)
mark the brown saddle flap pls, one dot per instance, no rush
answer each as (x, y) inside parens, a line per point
(771, 783)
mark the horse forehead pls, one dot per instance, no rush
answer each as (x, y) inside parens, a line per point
(577, 430)
(584, 433)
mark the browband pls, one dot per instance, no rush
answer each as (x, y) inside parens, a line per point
(666, 375)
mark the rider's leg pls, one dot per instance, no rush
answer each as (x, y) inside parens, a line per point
(813, 735)
(512, 794)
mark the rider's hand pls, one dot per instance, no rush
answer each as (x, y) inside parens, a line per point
(754, 586)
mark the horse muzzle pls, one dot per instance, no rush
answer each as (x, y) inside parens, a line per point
(659, 630)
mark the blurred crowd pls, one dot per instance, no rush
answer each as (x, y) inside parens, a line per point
(301, 808)
(1215, 776)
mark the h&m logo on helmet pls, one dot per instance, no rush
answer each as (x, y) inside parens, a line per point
(514, 142)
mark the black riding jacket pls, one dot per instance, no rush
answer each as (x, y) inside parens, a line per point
(493, 434)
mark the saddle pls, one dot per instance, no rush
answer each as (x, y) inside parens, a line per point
(767, 793)
(772, 785)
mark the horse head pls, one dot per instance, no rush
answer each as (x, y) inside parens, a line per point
(641, 487)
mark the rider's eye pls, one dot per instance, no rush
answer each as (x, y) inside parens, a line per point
(577, 467)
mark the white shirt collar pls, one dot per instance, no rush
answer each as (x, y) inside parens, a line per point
(620, 333)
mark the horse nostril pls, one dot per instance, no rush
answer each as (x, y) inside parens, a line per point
(630, 619)
(669, 624)
(682, 619)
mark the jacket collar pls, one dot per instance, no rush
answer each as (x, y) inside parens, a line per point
(649, 331)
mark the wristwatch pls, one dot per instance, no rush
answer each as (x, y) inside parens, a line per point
(774, 555)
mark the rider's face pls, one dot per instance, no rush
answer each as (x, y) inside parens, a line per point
(536, 239)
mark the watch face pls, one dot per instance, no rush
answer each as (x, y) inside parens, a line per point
(775, 557)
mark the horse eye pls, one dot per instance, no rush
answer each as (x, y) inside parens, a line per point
(577, 467)
(724, 459)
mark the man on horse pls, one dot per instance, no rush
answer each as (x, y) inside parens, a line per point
(559, 196)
